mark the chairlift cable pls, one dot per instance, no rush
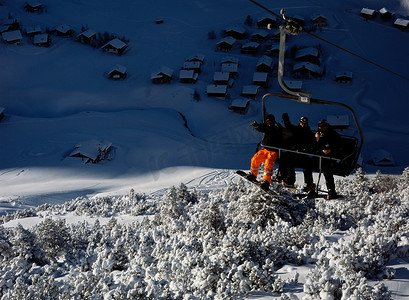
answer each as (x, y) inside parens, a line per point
(332, 44)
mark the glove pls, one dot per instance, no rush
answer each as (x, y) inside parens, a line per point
(254, 124)
(285, 117)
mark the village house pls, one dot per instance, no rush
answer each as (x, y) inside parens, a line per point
(267, 22)
(221, 78)
(226, 44)
(87, 36)
(115, 46)
(250, 48)
(306, 70)
(264, 64)
(236, 32)
(298, 19)
(294, 85)
(402, 24)
(385, 14)
(229, 60)
(310, 54)
(63, 30)
(188, 76)
(33, 6)
(12, 37)
(214, 90)
(260, 78)
(250, 91)
(233, 69)
(33, 30)
(117, 72)
(240, 105)
(259, 36)
(92, 151)
(368, 13)
(197, 57)
(164, 75)
(343, 77)
(42, 40)
(319, 20)
(192, 65)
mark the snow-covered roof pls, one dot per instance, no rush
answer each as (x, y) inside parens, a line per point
(191, 65)
(318, 16)
(228, 40)
(229, 59)
(232, 68)
(91, 149)
(265, 60)
(163, 71)
(216, 89)
(63, 28)
(239, 102)
(382, 157)
(236, 28)
(344, 75)
(41, 38)
(309, 51)
(33, 29)
(116, 43)
(261, 33)
(368, 11)
(221, 76)
(196, 57)
(402, 22)
(250, 45)
(186, 74)
(88, 33)
(118, 68)
(308, 66)
(10, 36)
(338, 120)
(260, 77)
(250, 89)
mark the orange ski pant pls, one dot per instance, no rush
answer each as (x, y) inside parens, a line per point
(268, 157)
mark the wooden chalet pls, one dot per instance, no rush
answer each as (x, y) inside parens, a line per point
(188, 76)
(33, 30)
(221, 78)
(382, 157)
(117, 72)
(385, 14)
(250, 91)
(240, 105)
(115, 46)
(12, 37)
(192, 65)
(368, 13)
(42, 40)
(231, 68)
(229, 60)
(226, 44)
(259, 36)
(33, 6)
(87, 36)
(92, 151)
(164, 75)
(319, 20)
(310, 54)
(402, 24)
(250, 48)
(63, 30)
(267, 22)
(260, 78)
(214, 90)
(236, 32)
(197, 57)
(343, 77)
(264, 64)
(307, 69)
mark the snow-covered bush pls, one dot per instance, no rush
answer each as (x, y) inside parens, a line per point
(215, 245)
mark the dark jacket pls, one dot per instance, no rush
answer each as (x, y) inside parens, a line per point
(302, 138)
(329, 140)
(272, 134)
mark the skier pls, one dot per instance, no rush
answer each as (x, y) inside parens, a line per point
(268, 154)
(302, 140)
(327, 144)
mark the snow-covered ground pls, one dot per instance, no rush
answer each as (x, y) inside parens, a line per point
(58, 97)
